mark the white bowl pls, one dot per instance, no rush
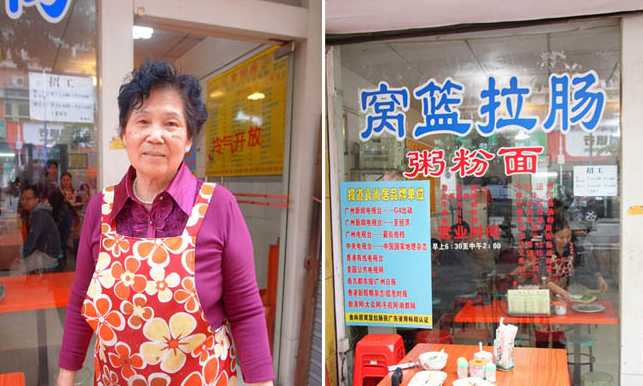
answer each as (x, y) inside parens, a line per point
(428, 378)
(433, 360)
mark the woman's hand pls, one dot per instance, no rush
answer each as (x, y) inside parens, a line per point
(601, 283)
(269, 383)
(555, 288)
(66, 377)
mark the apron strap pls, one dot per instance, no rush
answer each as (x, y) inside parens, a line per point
(107, 206)
(200, 208)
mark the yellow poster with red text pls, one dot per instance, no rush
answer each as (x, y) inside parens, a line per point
(247, 117)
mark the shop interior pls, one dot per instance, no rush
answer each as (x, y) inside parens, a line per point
(473, 268)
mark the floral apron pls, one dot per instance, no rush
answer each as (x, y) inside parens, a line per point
(143, 306)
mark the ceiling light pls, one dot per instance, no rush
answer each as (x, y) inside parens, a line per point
(255, 96)
(142, 32)
(216, 94)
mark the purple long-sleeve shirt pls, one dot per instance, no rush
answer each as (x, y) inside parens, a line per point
(224, 269)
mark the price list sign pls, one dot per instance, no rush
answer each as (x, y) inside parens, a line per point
(386, 253)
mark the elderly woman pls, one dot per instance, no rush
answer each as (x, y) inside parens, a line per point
(165, 260)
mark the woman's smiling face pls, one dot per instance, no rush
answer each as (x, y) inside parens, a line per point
(156, 135)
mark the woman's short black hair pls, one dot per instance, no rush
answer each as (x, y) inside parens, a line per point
(158, 74)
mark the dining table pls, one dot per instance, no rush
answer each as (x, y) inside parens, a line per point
(476, 312)
(37, 293)
(532, 366)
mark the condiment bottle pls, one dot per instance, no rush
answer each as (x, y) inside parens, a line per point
(490, 372)
(463, 368)
(476, 368)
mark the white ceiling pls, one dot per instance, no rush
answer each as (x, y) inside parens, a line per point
(164, 45)
(353, 16)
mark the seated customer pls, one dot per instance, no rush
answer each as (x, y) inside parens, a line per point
(557, 271)
(41, 250)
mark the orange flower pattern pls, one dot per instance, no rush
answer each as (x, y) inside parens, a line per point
(136, 311)
(143, 306)
(102, 319)
(186, 295)
(122, 358)
(127, 279)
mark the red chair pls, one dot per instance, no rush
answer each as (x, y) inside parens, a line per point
(12, 379)
(373, 354)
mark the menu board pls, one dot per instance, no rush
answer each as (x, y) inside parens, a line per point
(386, 253)
(247, 117)
(61, 98)
(596, 181)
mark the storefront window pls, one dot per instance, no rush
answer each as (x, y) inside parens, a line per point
(518, 134)
(48, 167)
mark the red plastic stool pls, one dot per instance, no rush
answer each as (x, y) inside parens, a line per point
(373, 354)
(12, 379)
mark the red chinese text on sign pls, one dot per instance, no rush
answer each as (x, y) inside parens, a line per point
(471, 163)
(425, 163)
(520, 160)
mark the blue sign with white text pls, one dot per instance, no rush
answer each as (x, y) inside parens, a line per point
(386, 253)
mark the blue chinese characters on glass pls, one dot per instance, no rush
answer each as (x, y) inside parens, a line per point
(440, 109)
(514, 97)
(51, 10)
(574, 99)
(384, 108)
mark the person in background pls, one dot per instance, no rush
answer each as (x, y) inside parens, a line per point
(63, 213)
(166, 256)
(67, 188)
(83, 194)
(50, 182)
(562, 267)
(41, 250)
(14, 193)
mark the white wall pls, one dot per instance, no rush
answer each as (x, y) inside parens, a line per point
(632, 185)
(305, 146)
(250, 19)
(384, 15)
(115, 61)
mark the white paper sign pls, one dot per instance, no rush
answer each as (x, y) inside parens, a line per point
(41, 134)
(596, 181)
(61, 98)
(582, 144)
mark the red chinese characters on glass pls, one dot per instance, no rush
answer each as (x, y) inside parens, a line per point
(427, 163)
(520, 160)
(471, 163)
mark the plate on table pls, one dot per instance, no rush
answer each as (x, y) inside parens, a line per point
(588, 308)
(586, 298)
(428, 378)
(472, 381)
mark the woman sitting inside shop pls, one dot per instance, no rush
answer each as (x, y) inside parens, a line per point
(554, 267)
